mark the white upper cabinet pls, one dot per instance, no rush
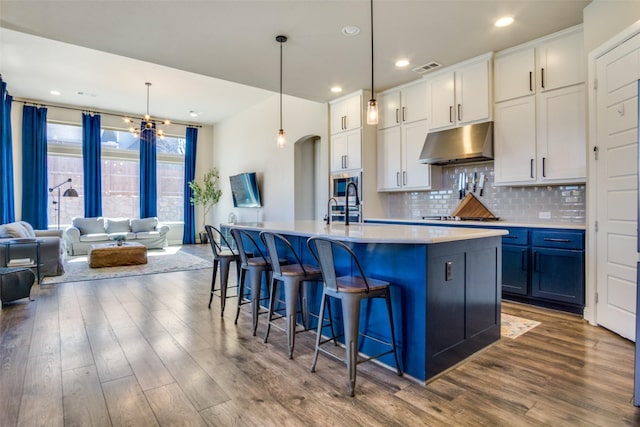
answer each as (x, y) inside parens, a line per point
(555, 62)
(399, 148)
(403, 105)
(540, 112)
(561, 62)
(346, 114)
(461, 94)
(346, 150)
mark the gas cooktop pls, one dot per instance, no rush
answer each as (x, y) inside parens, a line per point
(459, 218)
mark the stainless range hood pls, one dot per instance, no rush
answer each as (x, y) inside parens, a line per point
(471, 143)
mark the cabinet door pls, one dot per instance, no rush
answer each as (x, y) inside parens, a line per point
(414, 103)
(562, 135)
(415, 175)
(515, 141)
(389, 176)
(346, 114)
(514, 269)
(561, 62)
(472, 93)
(345, 151)
(441, 101)
(389, 108)
(513, 75)
(558, 275)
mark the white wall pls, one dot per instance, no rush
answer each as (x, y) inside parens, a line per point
(603, 19)
(246, 142)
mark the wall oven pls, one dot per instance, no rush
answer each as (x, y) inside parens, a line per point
(346, 204)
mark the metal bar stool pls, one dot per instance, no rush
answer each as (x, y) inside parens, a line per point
(350, 290)
(223, 256)
(255, 265)
(292, 277)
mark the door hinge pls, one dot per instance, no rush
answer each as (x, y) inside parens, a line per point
(595, 84)
(597, 297)
(595, 226)
(595, 152)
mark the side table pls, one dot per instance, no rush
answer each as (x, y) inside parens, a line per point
(21, 248)
(15, 283)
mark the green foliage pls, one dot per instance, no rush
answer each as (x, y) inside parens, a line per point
(208, 194)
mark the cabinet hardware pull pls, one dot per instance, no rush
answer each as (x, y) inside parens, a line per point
(531, 168)
(542, 77)
(459, 113)
(551, 239)
(450, 113)
(404, 178)
(404, 118)
(346, 161)
(530, 81)
(523, 260)
(509, 237)
(397, 179)
(544, 167)
(344, 122)
(397, 115)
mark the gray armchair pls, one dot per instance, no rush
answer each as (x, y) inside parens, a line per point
(51, 246)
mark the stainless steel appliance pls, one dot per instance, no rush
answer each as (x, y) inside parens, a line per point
(345, 204)
(470, 143)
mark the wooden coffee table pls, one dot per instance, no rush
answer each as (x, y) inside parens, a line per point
(112, 255)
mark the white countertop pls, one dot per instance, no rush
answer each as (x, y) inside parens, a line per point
(374, 233)
(566, 226)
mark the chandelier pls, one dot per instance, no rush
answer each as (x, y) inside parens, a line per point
(149, 122)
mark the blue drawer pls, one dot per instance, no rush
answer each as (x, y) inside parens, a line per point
(558, 239)
(516, 236)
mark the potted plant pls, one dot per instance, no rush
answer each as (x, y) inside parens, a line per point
(206, 196)
(120, 238)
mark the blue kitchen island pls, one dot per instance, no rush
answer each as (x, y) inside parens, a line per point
(446, 286)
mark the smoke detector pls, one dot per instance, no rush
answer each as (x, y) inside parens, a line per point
(430, 66)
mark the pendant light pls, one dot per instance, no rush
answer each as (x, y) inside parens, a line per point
(281, 140)
(147, 118)
(372, 107)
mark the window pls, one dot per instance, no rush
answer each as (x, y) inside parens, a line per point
(120, 173)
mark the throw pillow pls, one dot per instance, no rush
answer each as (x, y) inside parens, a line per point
(118, 225)
(4, 233)
(89, 225)
(28, 229)
(16, 230)
(144, 224)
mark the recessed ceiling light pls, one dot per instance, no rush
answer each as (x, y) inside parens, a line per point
(402, 63)
(504, 21)
(351, 30)
(55, 92)
(193, 113)
(336, 89)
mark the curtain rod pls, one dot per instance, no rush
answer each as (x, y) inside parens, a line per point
(93, 111)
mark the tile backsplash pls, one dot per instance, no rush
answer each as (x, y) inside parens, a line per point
(540, 204)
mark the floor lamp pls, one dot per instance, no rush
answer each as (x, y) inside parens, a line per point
(69, 192)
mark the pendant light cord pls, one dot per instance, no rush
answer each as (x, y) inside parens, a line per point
(281, 84)
(372, 49)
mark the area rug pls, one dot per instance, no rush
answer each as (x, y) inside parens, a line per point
(158, 261)
(513, 327)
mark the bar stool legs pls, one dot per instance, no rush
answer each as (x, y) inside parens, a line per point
(224, 264)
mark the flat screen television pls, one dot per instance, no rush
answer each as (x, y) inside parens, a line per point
(245, 192)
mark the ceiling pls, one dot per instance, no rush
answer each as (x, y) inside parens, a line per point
(219, 57)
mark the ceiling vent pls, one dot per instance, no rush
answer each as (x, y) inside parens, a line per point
(430, 66)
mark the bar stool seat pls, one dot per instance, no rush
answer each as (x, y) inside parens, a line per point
(222, 257)
(292, 276)
(255, 266)
(351, 291)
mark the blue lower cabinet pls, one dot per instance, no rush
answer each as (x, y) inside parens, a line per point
(515, 269)
(558, 275)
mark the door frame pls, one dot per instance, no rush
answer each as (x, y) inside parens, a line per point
(590, 312)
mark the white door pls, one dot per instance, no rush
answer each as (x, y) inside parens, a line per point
(617, 73)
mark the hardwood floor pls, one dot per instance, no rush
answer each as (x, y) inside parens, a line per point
(145, 350)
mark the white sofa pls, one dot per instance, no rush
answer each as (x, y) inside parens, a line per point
(84, 232)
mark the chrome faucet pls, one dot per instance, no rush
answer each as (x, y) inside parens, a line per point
(346, 201)
(327, 219)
